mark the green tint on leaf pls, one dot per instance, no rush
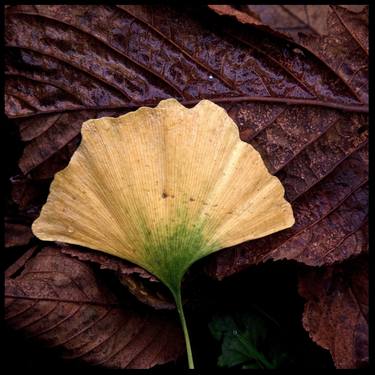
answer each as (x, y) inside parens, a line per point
(250, 340)
(172, 248)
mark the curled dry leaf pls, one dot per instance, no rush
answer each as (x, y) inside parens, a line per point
(336, 311)
(245, 16)
(106, 261)
(304, 112)
(61, 302)
(150, 294)
(145, 287)
(285, 20)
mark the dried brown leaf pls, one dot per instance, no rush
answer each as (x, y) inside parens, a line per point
(154, 296)
(106, 262)
(303, 109)
(245, 15)
(61, 302)
(287, 20)
(336, 311)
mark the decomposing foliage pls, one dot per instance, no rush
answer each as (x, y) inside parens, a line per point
(59, 301)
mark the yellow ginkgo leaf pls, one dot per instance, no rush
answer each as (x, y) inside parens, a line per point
(163, 187)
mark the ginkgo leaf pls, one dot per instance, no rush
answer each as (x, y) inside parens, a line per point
(170, 185)
(163, 188)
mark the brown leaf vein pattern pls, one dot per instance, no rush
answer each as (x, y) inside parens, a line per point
(97, 334)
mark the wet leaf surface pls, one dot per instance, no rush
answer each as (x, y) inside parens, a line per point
(336, 311)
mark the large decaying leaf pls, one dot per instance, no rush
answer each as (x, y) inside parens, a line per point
(303, 112)
(61, 302)
(336, 311)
